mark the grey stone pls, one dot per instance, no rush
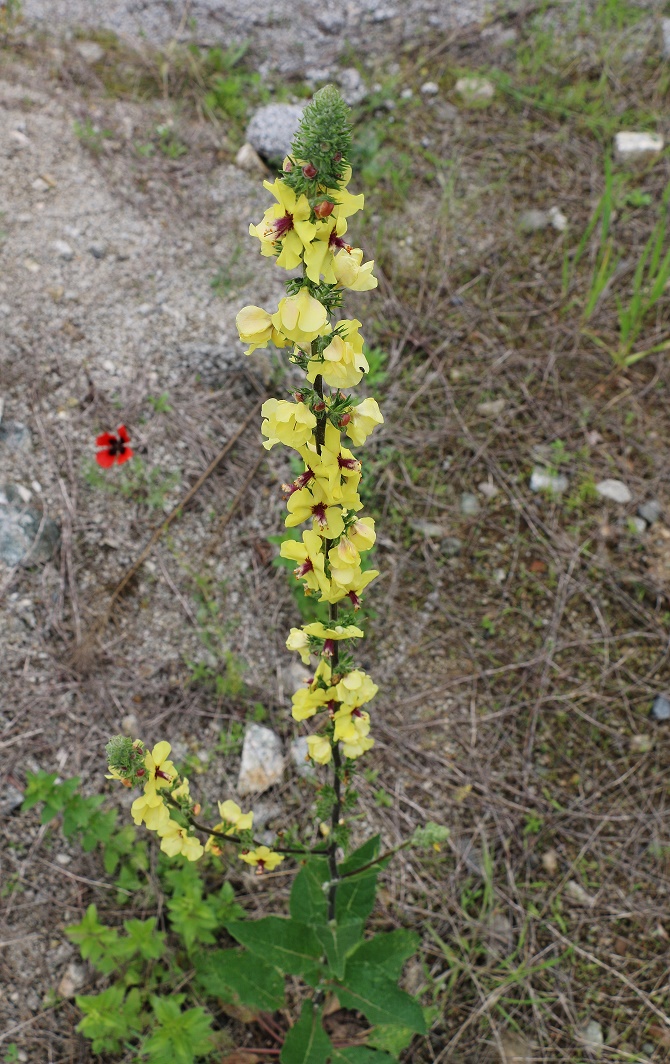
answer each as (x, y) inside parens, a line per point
(430, 88)
(330, 21)
(98, 251)
(299, 757)
(557, 219)
(11, 798)
(637, 525)
(488, 490)
(72, 981)
(265, 813)
(665, 31)
(660, 708)
(272, 128)
(576, 893)
(63, 250)
(90, 51)
(451, 546)
(470, 505)
(632, 146)
(648, 1047)
(615, 490)
(591, 1034)
(532, 221)
(475, 89)
(249, 160)
(430, 529)
(15, 436)
(542, 480)
(262, 761)
(650, 511)
(27, 536)
(130, 726)
(491, 408)
(352, 86)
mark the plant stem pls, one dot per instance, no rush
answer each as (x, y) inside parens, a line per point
(377, 860)
(236, 838)
(337, 786)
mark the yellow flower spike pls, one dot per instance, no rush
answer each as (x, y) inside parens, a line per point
(289, 423)
(175, 839)
(310, 558)
(351, 586)
(263, 858)
(346, 554)
(231, 813)
(351, 272)
(319, 749)
(306, 702)
(301, 318)
(254, 326)
(297, 640)
(343, 366)
(305, 504)
(340, 631)
(364, 418)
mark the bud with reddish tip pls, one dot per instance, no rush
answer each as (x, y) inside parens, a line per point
(345, 419)
(310, 171)
(324, 209)
(318, 407)
(337, 157)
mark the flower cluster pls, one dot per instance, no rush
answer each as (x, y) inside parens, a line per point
(166, 807)
(305, 228)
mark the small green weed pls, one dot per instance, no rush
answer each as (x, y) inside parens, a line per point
(160, 403)
(134, 481)
(169, 143)
(91, 137)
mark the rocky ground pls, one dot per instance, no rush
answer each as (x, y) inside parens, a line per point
(520, 481)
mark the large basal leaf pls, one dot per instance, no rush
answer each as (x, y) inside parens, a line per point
(355, 897)
(379, 999)
(307, 1042)
(287, 944)
(338, 940)
(309, 903)
(361, 1055)
(241, 977)
(388, 951)
(362, 856)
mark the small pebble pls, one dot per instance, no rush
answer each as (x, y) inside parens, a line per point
(550, 862)
(248, 159)
(430, 529)
(90, 51)
(130, 726)
(629, 146)
(430, 88)
(475, 90)
(39, 185)
(665, 30)
(660, 708)
(591, 1034)
(650, 511)
(451, 546)
(491, 408)
(63, 250)
(532, 221)
(615, 490)
(488, 490)
(557, 219)
(637, 525)
(575, 892)
(406, 94)
(299, 752)
(262, 761)
(470, 505)
(98, 251)
(641, 744)
(541, 480)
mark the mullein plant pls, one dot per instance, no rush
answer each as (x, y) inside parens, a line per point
(306, 229)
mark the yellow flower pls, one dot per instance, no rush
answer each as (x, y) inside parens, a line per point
(150, 810)
(231, 813)
(306, 701)
(297, 640)
(364, 418)
(287, 423)
(349, 582)
(340, 631)
(160, 771)
(263, 858)
(356, 688)
(304, 504)
(182, 791)
(286, 223)
(351, 724)
(334, 463)
(361, 746)
(362, 533)
(319, 258)
(344, 362)
(255, 328)
(175, 839)
(319, 749)
(310, 560)
(301, 318)
(351, 272)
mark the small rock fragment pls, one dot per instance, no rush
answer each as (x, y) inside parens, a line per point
(299, 752)
(637, 525)
(532, 221)
(15, 436)
(330, 21)
(660, 708)
(72, 980)
(641, 744)
(430, 529)
(130, 726)
(500, 936)
(430, 88)
(475, 89)
(98, 251)
(470, 505)
(272, 128)
(550, 861)
(63, 250)
(514, 1049)
(491, 408)
(615, 490)
(629, 146)
(576, 893)
(451, 546)
(557, 219)
(591, 1035)
(11, 798)
(27, 536)
(248, 159)
(352, 86)
(541, 480)
(262, 761)
(19, 138)
(39, 185)
(90, 51)
(665, 31)
(488, 489)
(652, 510)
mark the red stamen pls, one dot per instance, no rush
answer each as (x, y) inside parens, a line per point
(303, 569)
(280, 227)
(329, 647)
(162, 775)
(336, 241)
(348, 463)
(354, 599)
(320, 514)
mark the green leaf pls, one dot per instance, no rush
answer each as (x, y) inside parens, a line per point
(144, 939)
(378, 998)
(96, 942)
(192, 917)
(179, 1037)
(78, 813)
(39, 786)
(109, 1019)
(308, 899)
(388, 951)
(237, 976)
(362, 856)
(99, 829)
(119, 845)
(392, 1038)
(361, 1055)
(225, 906)
(307, 1042)
(338, 940)
(355, 897)
(287, 944)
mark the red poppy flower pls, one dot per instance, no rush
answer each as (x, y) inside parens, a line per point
(114, 448)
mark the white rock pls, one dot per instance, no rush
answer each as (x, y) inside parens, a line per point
(90, 51)
(491, 408)
(488, 490)
(248, 159)
(630, 146)
(63, 250)
(430, 88)
(39, 185)
(591, 1034)
(576, 893)
(262, 761)
(19, 138)
(557, 219)
(615, 490)
(475, 89)
(533, 220)
(637, 525)
(352, 86)
(406, 94)
(299, 752)
(550, 862)
(541, 480)
(72, 981)
(665, 30)
(514, 1049)
(130, 725)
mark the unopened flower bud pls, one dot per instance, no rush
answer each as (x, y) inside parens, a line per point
(310, 171)
(319, 406)
(324, 209)
(337, 157)
(324, 829)
(345, 419)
